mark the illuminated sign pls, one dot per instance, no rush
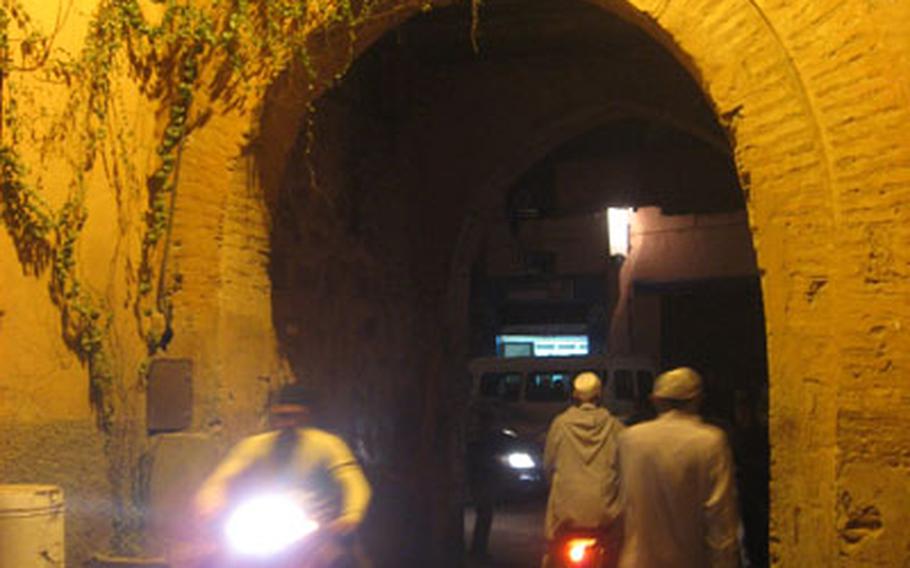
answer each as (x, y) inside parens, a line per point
(541, 345)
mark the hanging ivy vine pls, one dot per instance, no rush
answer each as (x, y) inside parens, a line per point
(193, 56)
(244, 45)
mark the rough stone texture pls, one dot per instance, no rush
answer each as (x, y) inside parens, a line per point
(815, 99)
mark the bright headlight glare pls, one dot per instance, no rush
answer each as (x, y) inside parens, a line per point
(520, 460)
(266, 525)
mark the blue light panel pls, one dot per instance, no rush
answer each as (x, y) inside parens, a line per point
(542, 345)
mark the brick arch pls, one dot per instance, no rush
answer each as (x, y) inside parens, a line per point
(760, 99)
(754, 82)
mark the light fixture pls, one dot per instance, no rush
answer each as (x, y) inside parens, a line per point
(618, 230)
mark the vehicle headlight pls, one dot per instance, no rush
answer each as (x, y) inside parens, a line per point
(520, 460)
(267, 524)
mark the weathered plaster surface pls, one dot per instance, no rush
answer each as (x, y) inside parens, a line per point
(67, 453)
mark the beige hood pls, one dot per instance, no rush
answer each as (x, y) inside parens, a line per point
(588, 428)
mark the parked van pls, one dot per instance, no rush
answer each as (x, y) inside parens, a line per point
(526, 393)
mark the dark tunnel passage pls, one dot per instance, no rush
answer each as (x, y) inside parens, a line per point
(439, 199)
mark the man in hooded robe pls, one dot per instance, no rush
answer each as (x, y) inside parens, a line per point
(580, 462)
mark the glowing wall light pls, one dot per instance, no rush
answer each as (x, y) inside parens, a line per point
(618, 230)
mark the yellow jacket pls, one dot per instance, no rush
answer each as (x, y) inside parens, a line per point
(317, 451)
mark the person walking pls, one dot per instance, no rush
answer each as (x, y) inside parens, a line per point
(482, 458)
(677, 484)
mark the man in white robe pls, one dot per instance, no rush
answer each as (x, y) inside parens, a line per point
(678, 485)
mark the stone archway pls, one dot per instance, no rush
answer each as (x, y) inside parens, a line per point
(783, 130)
(795, 155)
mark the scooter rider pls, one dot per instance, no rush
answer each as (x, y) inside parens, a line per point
(292, 450)
(580, 461)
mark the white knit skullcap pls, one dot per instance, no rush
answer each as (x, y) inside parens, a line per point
(587, 386)
(679, 384)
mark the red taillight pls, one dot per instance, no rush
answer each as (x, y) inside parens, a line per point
(578, 550)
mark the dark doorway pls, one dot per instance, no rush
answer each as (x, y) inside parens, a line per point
(718, 328)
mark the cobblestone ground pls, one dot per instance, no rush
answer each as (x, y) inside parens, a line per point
(516, 540)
